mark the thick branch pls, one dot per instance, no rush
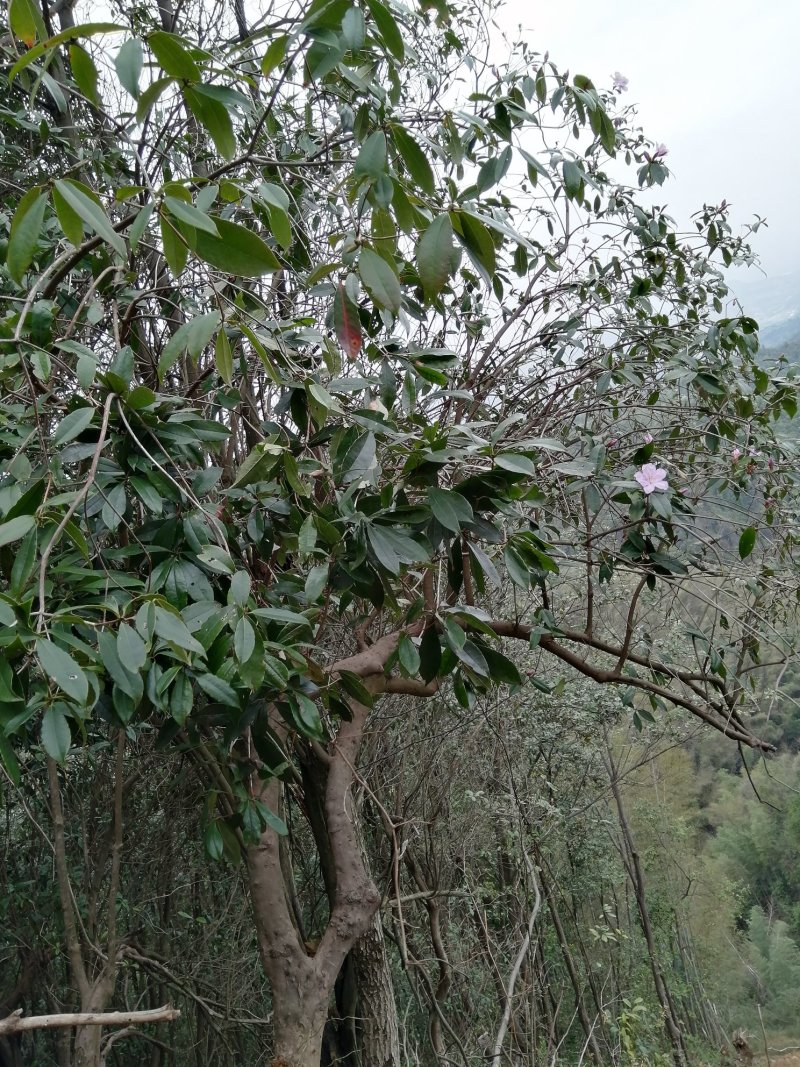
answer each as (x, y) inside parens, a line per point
(16, 1024)
(504, 628)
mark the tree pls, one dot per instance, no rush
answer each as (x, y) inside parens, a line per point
(328, 379)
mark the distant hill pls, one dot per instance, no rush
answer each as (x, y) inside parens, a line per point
(773, 301)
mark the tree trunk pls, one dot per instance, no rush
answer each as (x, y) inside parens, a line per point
(299, 1016)
(86, 1047)
(377, 1011)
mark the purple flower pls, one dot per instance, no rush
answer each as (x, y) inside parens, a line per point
(735, 454)
(648, 439)
(620, 82)
(652, 479)
(660, 152)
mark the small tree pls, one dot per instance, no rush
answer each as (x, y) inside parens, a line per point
(336, 364)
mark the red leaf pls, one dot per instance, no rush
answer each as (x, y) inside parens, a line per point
(345, 321)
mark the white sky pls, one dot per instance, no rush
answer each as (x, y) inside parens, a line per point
(717, 81)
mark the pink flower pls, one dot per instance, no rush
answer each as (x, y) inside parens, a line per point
(652, 479)
(648, 439)
(612, 442)
(620, 82)
(660, 152)
(735, 454)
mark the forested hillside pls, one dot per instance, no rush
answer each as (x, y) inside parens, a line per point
(398, 601)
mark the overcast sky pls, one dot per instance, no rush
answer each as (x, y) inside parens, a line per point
(717, 81)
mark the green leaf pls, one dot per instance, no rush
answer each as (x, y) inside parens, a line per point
(430, 655)
(388, 28)
(353, 29)
(408, 656)
(275, 54)
(214, 845)
(26, 226)
(171, 627)
(15, 528)
(176, 248)
(218, 690)
(316, 580)
(128, 63)
(371, 160)
(747, 542)
(87, 29)
(223, 357)
(149, 97)
(213, 115)
(450, 509)
(510, 461)
(68, 219)
(501, 669)
(435, 255)
(380, 279)
(189, 214)
(358, 460)
(283, 615)
(192, 337)
(25, 21)
(172, 57)
(129, 682)
(62, 669)
(84, 72)
(278, 204)
(237, 250)
(415, 160)
(9, 760)
(239, 589)
(72, 425)
(573, 178)
(472, 656)
(56, 736)
(131, 649)
(244, 640)
(393, 548)
(78, 198)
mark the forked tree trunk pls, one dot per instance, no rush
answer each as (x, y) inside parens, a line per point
(302, 983)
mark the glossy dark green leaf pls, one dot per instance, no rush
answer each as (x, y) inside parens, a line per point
(380, 280)
(131, 649)
(747, 542)
(236, 251)
(56, 737)
(388, 28)
(61, 668)
(371, 160)
(78, 198)
(172, 56)
(434, 255)
(15, 528)
(72, 425)
(84, 72)
(415, 160)
(26, 225)
(214, 117)
(450, 509)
